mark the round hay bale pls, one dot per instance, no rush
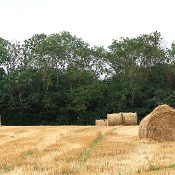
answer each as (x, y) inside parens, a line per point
(159, 125)
(100, 122)
(129, 118)
(114, 119)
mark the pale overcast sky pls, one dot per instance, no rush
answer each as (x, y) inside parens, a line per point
(95, 21)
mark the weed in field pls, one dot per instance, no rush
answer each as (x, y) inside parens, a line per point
(151, 166)
(7, 167)
(172, 166)
(26, 154)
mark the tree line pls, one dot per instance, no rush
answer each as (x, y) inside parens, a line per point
(60, 79)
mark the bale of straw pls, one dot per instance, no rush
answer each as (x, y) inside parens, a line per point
(106, 122)
(159, 125)
(114, 119)
(100, 122)
(129, 118)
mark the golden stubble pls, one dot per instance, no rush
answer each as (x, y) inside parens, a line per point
(83, 150)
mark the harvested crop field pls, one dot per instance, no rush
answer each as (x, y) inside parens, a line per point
(85, 150)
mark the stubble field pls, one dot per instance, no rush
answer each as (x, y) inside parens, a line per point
(82, 150)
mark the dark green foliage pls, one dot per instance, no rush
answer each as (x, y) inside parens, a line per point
(60, 79)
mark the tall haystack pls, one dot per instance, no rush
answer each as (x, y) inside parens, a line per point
(129, 118)
(114, 119)
(159, 125)
(100, 122)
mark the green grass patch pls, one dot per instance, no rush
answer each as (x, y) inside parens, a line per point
(87, 152)
(7, 167)
(26, 154)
